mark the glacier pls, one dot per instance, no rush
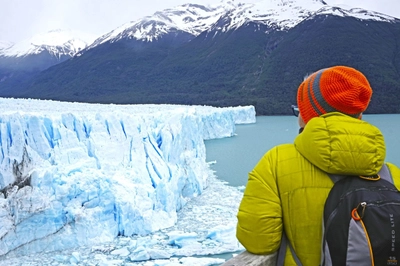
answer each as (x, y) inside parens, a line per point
(86, 175)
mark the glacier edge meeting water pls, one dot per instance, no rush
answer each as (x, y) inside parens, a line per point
(77, 174)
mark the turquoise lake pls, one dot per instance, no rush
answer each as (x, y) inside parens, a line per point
(236, 156)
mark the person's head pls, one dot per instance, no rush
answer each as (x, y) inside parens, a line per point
(335, 89)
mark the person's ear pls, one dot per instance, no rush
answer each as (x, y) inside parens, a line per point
(301, 121)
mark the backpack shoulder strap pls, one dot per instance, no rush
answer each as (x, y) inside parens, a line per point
(282, 251)
(384, 173)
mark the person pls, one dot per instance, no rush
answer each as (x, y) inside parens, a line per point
(288, 187)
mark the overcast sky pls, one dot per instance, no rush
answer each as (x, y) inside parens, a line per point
(22, 19)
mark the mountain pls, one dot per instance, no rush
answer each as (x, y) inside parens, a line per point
(190, 19)
(231, 54)
(40, 52)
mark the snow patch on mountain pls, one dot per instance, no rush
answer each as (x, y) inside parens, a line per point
(278, 14)
(190, 18)
(5, 45)
(286, 14)
(345, 11)
(57, 43)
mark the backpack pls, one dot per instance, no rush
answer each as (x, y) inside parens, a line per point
(361, 222)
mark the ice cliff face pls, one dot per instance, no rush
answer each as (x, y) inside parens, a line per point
(80, 174)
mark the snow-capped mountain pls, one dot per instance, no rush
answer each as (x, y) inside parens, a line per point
(195, 19)
(57, 43)
(285, 14)
(40, 52)
(277, 14)
(189, 18)
(358, 13)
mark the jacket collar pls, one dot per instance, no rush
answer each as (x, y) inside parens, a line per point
(340, 144)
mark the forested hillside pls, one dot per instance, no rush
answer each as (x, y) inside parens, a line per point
(254, 64)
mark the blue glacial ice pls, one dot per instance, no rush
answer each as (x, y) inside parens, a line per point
(77, 174)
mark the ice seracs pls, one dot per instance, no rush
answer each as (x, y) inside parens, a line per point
(82, 174)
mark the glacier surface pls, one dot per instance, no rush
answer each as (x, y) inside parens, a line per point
(83, 175)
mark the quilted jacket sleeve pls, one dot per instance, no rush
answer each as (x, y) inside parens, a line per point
(395, 172)
(259, 227)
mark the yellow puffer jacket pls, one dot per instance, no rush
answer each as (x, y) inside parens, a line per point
(289, 185)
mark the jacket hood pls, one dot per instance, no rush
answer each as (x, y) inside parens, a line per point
(340, 144)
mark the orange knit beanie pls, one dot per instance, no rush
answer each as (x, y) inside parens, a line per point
(335, 89)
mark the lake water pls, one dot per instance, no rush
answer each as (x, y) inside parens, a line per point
(236, 156)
